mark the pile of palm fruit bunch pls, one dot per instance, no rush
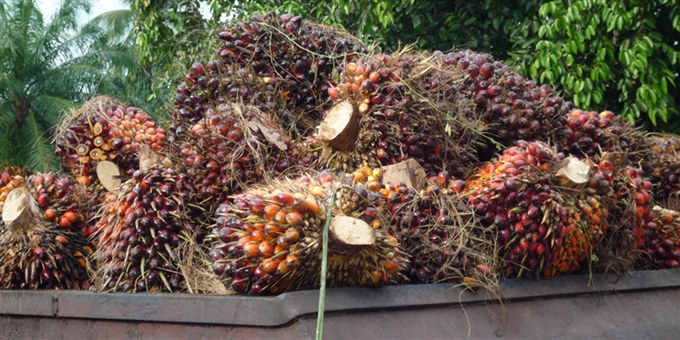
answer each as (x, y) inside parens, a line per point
(41, 241)
(664, 161)
(281, 64)
(426, 167)
(233, 146)
(237, 116)
(392, 107)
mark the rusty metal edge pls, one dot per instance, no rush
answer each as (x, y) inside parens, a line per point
(285, 308)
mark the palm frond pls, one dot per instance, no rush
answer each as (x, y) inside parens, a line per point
(6, 117)
(117, 25)
(37, 149)
(50, 109)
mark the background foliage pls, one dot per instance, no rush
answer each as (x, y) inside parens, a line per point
(49, 66)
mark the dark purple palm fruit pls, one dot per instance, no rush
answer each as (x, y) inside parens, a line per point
(514, 108)
(588, 133)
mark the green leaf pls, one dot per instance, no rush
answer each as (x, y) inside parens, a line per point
(597, 96)
(578, 86)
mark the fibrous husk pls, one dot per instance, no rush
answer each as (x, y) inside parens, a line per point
(109, 175)
(10, 179)
(340, 127)
(408, 172)
(573, 173)
(21, 210)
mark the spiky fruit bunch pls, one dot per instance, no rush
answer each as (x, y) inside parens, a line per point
(104, 128)
(661, 241)
(141, 234)
(232, 147)
(36, 253)
(60, 198)
(631, 219)
(406, 107)
(514, 108)
(445, 243)
(10, 179)
(588, 133)
(545, 209)
(291, 61)
(665, 170)
(268, 240)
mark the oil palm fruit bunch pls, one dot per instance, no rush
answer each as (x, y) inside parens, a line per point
(293, 60)
(631, 218)
(588, 133)
(60, 198)
(104, 128)
(10, 179)
(513, 108)
(444, 242)
(662, 241)
(36, 253)
(665, 170)
(141, 234)
(268, 240)
(545, 209)
(389, 108)
(232, 147)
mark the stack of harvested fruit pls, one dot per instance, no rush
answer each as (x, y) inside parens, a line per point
(425, 167)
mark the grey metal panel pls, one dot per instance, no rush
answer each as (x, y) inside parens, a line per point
(26, 302)
(648, 314)
(287, 308)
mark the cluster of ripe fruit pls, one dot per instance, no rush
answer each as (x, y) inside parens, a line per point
(287, 98)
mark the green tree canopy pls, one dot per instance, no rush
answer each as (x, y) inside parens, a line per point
(47, 67)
